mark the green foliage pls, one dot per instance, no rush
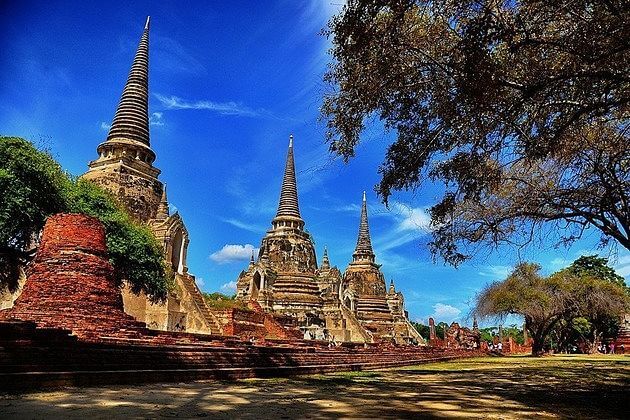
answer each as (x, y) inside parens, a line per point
(519, 108)
(132, 248)
(551, 304)
(422, 329)
(487, 334)
(31, 188)
(220, 301)
(594, 266)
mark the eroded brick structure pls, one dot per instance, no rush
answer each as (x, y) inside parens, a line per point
(125, 167)
(71, 283)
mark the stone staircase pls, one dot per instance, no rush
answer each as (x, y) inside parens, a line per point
(354, 325)
(190, 285)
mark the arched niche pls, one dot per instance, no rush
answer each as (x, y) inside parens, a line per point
(177, 249)
(256, 285)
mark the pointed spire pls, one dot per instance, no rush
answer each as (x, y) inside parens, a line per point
(288, 205)
(162, 210)
(251, 259)
(392, 288)
(363, 251)
(131, 121)
(475, 325)
(325, 260)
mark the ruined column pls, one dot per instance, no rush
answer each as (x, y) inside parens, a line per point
(432, 335)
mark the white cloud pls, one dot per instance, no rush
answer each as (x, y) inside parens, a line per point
(222, 108)
(156, 119)
(229, 288)
(200, 282)
(496, 272)
(105, 126)
(233, 253)
(411, 224)
(445, 313)
(412, 219)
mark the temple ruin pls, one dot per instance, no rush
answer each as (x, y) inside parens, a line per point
(285, 279)
(124, 167)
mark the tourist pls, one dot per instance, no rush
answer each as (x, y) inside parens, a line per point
(622, 348)
(500, 347)
(612, 348)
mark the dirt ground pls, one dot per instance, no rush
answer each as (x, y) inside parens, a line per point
(500, 387)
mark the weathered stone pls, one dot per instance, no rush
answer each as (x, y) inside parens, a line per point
(71, 282)
(125, 168)
(286, 280)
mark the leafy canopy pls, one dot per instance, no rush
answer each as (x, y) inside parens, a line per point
(564, 298)
(33, 187)
(520, 109)
(133, 250)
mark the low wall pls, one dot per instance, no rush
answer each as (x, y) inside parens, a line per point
(37, 358)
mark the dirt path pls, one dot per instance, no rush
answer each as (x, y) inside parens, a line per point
(557, 387)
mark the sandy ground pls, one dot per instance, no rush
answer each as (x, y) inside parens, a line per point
(509, 387)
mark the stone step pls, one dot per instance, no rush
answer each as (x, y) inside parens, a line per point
(40, 380)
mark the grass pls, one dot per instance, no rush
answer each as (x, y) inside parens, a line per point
(491, 387)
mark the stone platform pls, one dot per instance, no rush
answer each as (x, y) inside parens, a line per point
(37, 358)
(68, 328)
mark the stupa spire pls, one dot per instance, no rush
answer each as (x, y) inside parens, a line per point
(131, 121)
(325, 260)
(288, 208)
(363, 250)
(162, 210)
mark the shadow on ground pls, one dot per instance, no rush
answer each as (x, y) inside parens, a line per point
(558, 387)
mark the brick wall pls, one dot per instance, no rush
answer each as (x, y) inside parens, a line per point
(71, 282)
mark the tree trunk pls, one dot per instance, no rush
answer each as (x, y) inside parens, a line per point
(537, 347)
(593, 344)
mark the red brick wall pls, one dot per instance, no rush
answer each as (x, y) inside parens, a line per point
(71, 282)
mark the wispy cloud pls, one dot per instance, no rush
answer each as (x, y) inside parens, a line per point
(412, 218)
(174, 58)
(222, 108)
(233, 253)
(245, 226)
(156, 119)
(410, 224)
(105, 126)
(496, 272)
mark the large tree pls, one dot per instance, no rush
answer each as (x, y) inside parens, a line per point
(599, 313)
(33, 187)
(520, 109)
(548, 303)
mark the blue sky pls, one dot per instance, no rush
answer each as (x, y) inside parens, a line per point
(229, 82)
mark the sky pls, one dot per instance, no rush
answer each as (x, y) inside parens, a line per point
(229, 82)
